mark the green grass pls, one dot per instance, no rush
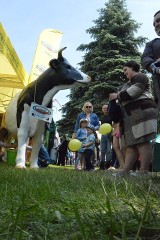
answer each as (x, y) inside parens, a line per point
(60, 203)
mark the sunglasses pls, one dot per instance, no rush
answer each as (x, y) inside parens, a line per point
(88, 106)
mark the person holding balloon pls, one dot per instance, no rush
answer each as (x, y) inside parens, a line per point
(139, 118)
(81, 135)
(105, 143)
(88, 114)
(92, 118)
(89, 147)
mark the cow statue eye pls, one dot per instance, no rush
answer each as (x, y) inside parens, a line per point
(68, 66)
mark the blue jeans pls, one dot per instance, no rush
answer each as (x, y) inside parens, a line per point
(106, 151)
(43, 157)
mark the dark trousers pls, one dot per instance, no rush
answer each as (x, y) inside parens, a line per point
(87, 156)
(114, 161)
(61, 158)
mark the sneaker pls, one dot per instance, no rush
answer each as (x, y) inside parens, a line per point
(102, 165)
(139, 174)
(112, 169)
(121, 174)
(92, 170)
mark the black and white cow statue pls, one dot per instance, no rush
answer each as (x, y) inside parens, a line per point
(60, 75)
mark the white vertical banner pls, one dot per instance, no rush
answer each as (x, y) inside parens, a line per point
(47, 49)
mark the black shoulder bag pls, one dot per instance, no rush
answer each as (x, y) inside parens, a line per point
(114, 111)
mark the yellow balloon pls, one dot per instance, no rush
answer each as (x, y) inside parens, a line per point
(105, 128)
(74, 145)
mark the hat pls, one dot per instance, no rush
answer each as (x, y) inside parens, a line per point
(83, 120)
(91, 127)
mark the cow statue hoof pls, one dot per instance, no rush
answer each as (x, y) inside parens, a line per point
(20, 166)
(35, 166)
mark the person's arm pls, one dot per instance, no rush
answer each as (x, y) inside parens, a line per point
(87, 144)
(95, 121)
(77, 123)
(150, 59)
(139, 84)
(91, 141)
(147, 57)
(78, 135)
(7, 145)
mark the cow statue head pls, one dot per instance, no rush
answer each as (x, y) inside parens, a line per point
(67, 74)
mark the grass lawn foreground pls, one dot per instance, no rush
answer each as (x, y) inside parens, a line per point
(58, 203)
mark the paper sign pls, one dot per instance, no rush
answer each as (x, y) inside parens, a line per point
(40, 112)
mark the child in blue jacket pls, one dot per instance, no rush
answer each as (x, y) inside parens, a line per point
(89, 147)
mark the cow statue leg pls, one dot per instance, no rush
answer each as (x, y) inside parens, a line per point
(29, 127)
(37, 141)
(22, 136)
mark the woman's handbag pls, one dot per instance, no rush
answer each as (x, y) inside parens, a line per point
(114, 111)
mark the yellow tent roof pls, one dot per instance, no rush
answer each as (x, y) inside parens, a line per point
(13, 76)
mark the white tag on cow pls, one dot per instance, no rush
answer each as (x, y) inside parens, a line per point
(40, 112)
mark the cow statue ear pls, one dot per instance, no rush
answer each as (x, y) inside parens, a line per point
(54, 63)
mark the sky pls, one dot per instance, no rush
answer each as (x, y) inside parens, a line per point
(25, 20)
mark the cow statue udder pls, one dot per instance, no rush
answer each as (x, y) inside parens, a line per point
(60, 75)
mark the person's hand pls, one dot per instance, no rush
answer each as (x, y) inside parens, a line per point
(73, 135)
(12, 146)
(157, 62)
(154, 68)
(113, 96)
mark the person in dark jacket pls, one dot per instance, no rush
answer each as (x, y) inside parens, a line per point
(150, 59)
(62, 151)
(106, 141)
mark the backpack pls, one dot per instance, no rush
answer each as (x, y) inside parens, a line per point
(114, 111)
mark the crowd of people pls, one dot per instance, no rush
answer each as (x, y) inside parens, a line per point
(133, 133)
(134, 124)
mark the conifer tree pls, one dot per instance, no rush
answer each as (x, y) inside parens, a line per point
(113, 43)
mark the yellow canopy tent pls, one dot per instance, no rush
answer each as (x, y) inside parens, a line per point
(13, 76)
